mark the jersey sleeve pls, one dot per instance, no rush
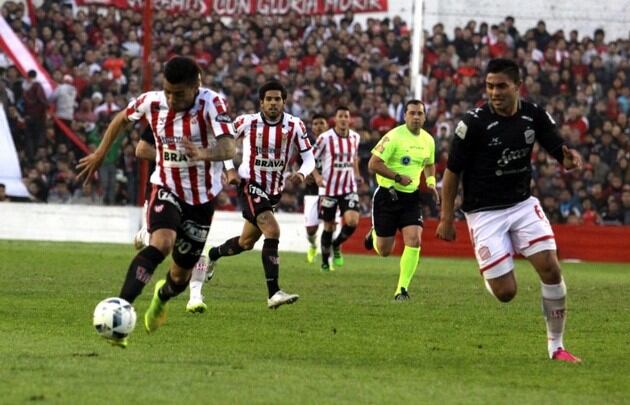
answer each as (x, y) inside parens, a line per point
(139, 108)
(240, 124)
(301, 138)
(218, 119)
(320, 146)
(385, 147)
(465, 133)
(547, 134)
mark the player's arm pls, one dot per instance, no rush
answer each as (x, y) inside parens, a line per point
(306, 153)
(446, 227)
(429, 175)
(357, 172)
(90, 163)
(144, 150)
(554, 145)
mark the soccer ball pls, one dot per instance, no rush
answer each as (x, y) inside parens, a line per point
(114, 318)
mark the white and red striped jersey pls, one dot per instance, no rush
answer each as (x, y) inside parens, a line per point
(337, 155)
(203, 123)
(268, 149)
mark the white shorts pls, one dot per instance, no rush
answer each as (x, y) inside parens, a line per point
(498, 235)
(311, 210)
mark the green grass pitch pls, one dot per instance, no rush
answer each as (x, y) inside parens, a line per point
(345, 341)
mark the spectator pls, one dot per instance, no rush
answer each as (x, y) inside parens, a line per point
(86, 195)
(35, 106)
(382, 122)
(60, 194)
(64, 99)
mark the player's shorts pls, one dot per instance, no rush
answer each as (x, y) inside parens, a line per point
(191, 222)
(328, 205)
(311, 210)
(255, 200)
(499, 234)
(393, 210)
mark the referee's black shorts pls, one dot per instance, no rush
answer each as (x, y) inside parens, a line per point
(393, 210)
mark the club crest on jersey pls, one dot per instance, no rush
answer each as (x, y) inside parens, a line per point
(405, 160)
(461, 129)
(484, 253)
(530, 136)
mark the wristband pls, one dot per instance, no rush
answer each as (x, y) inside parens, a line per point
(397, 178)
(431, 181)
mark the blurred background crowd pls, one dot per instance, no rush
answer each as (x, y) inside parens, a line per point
(95, 57)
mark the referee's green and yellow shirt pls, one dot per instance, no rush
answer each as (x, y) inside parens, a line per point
(406, 154)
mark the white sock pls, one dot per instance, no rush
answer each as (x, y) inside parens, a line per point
(197, 278)
(312, 239)
(554, 311)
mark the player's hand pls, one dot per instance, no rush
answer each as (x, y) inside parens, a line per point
(232, 177)
(296, 179)
(360, 181)
(193, 152)
(436, 194)
(88, 165)
(572, 159)
(445, 230)
(319, 180)
(405, 180)
(310, 180)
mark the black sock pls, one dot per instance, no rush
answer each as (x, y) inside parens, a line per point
(346, 232)
(326, 242)
(170, 289)
(271, 265)
(229, 248)
(140, 271)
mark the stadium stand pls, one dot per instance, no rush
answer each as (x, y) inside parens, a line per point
(95, 57)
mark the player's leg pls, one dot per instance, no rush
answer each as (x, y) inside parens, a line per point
(142, 237)
(200, 274)
(327, 212)
(412, 235)
(349, 208)
(311, 223)
(535, 240)
(381, 237)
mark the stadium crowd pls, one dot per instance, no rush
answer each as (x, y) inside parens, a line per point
(95, 57)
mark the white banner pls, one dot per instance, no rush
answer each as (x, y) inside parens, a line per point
(10, 173)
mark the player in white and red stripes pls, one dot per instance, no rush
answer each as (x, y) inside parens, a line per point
(337, 149)
(191, 128)
(271, 140)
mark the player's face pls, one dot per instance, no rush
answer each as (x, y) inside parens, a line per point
(415, 117)
(318, 126)
(272, 104)
(342, 120)
(181, 96)
(502, 92)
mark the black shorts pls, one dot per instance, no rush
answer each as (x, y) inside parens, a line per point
(328, 205)
(393, 210)
(191, 222)
(255, 200)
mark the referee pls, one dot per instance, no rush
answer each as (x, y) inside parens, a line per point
(397, 160)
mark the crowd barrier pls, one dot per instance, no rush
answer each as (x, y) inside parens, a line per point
(79, 223)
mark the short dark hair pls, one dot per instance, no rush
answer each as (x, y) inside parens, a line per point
(318, 116)
(415, 101)
(505, 66)
(2, 185)
(270, 86)
(182, 69)
(32, 74)
(341, 108)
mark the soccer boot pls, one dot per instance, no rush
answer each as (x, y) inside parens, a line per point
(311, 253)
(118, 342)
(196, 306)
(337, 256)
(139, 239)
(156, 313)
(368, 240)
(281, 298)
(325, 268)
(403, 295)
(562, 355)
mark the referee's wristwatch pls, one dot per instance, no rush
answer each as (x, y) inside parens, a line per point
(397, 178)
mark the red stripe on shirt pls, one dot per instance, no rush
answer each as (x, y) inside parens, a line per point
(264, 155)
(155, 113)
(192, 170)
(252, 150)
(169, 133)
(203, 131)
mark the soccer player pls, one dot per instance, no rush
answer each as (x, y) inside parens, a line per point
(186, 119)
(491, 153)
(337, 149)
(271, 139)
(311, 197)
(398, 159)
(146, 150)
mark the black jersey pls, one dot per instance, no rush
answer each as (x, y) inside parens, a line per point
(493, 154)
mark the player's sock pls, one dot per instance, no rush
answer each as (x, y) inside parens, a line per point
(554, 310)
(229, 248)
(408, 264)
(326, 242)
(170, 289)
(312, 239)
(197, 278)
(139, 273)
(344, 234)
(271, 264)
